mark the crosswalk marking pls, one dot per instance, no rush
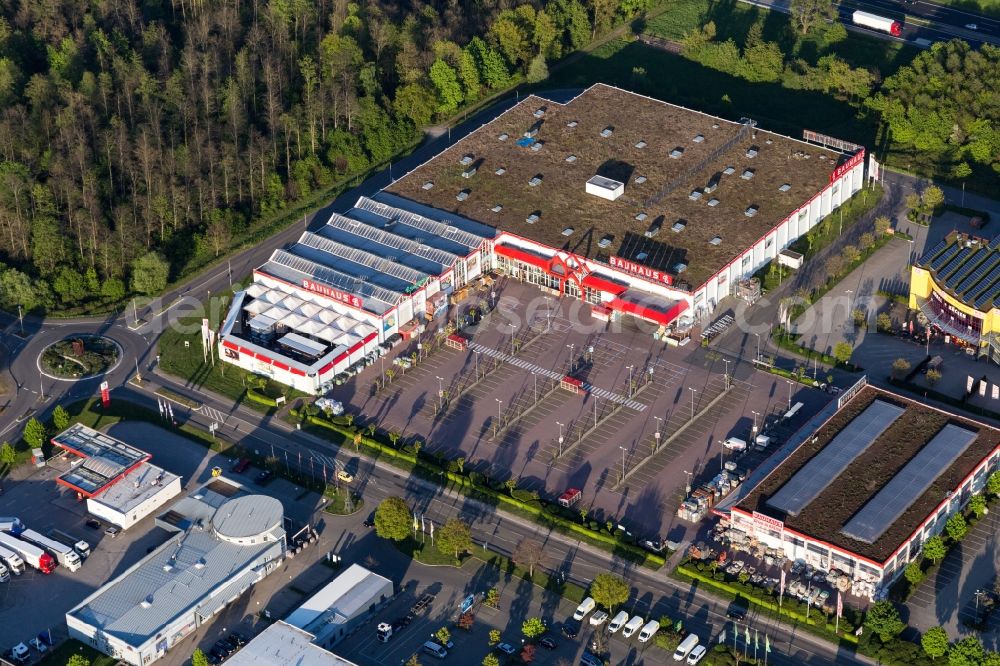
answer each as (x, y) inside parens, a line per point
(531, 367)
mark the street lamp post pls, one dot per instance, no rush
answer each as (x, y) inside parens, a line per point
(572, 359)
(440, 392)
(656, 435)
(623, 461)
(477, 364)
(630, 368)
(560, 436)
(789, 394)
(499, 412)
(693, 391)
(534, 376)
(595, 412)
(20, 318)
(755, 415)
(687, 486)
(512, 330)
(758, 346)
(726, 376)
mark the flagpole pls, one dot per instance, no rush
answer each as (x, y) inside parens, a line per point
(756, 636)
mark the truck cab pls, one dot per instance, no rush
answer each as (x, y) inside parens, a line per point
(384, 632)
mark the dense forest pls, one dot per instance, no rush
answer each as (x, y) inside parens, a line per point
(139, 138)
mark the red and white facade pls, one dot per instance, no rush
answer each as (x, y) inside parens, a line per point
(340, 293)
(871, 578)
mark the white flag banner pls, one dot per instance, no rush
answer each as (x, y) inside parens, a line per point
(982, 388)
(432, 528)
(170, 410)
(840, 606)
(968, 384)
(781, 588)
(159, 403)
(996, 392)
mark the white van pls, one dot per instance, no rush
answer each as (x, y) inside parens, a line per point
(432, 648)
(618, 621)
(649, 631)
(762, 442)
(632, 626)
(686, 646)
(585, 607)
(735, 444)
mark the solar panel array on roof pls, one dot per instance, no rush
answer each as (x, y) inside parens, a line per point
(970, 265)
(990, 263)
(988, 296)
(955, 262)
(995, 243)
(387, 239)
(853, 440)
(944, 257)
(363, 258)
(933, 252)
(451, 232)
(329, 276)
(909, 483)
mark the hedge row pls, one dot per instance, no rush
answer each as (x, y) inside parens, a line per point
(260, 398)
(816, 622)
(535, 508)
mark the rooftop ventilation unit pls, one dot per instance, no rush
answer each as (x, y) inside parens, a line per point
(497, 208)
(504, 136)
(716, 240)
(640, 145)
(715, 125)
(568, 231)
(679, 226)
(639, 180)
(604, 242)
(713, 202)
(751, 211)
(607, 131)
(654, 227)
(712, 185)
(535, 180)
(531, 133)
(200, 564)
(676, 153)
(641, 217)
(785, 188)
(572, 124)
(769, 141)
(147, 602)
(571, 158)
(606, 188)
(539, 112)
(729, 170)
(536, 146)
(752, 152)
(466, 160)
(428, 185)
(531, 219)
(680, 268)
(500, 171)
(700, 138)
(695, 195)
(469, 173)
(747, 174)
(463, 195)
(642, 256)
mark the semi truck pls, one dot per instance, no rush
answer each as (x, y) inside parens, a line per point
(65, 555)
(29, 552)
(79, 545)
(880, 23)
(12, 560)
(11, 524)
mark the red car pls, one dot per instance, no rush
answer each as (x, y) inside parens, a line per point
(242, 465)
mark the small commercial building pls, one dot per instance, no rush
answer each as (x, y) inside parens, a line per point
(308, 634)
(956, 286)
(119, 483)
(866, 488)
(224, 540)
(281, 643)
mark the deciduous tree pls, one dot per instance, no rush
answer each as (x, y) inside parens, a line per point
(393, 519)
(882, 619)
(934, 641)
(842, 351)
(934, 549)
(533, 627)
(528, 554)
(454, 537)
(609, 590)
(34, 433)
(60, 418)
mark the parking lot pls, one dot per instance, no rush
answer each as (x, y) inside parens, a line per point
(498, 403)
(36, 602)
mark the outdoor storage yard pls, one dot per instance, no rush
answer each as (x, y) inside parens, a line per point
(504, 427)
(667, 157)
(912, 429)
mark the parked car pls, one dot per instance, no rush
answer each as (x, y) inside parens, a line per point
(93, 523)
(369, 523)
(598, 618)
(506, 648)
(571, 629)
(264, 477)
(548, 643)
(696, 654)
(241, 465)
(738, 609)
(113, 531)
(345, 476)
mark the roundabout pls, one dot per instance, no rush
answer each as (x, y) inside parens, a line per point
(79, 357)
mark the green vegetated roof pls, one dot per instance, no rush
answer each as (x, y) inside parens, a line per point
(825, 516)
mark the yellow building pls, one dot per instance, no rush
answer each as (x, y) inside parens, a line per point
(956, 285)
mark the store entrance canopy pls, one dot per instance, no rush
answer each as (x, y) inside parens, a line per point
(650, 307)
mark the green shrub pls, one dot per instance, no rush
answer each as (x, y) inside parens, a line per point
(260, 398)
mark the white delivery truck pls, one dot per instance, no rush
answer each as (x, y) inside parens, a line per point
(12, 560)
(735, 444)
(64, 554)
